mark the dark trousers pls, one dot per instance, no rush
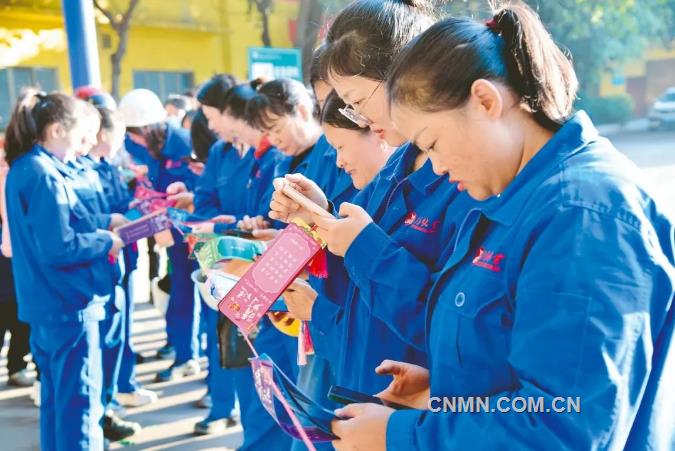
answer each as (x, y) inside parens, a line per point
(19, 342)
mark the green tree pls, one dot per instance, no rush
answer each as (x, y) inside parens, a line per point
(120, 22)
(598, 34)
(264, 8)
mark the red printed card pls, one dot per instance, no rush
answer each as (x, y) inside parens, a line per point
(268, 277)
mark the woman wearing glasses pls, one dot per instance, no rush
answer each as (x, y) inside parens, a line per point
(561, 285)
(402, 223)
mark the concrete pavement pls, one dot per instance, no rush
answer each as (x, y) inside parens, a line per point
(167, 424)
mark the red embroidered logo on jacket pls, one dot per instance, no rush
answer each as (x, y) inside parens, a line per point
(173, 164)
(421, 223)
(488, 260)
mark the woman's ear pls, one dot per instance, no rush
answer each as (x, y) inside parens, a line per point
(54, 131)
(304, 112)
(487, 98)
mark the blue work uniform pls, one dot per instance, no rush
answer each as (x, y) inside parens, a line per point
(89, 189)
(182, 314)
(561, 287)
(237, 185)
(118, 197)
(414, 219)
(171, 165)
(57, 253)
(317, 375)
(226, 170)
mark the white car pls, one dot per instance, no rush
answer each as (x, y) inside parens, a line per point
(662, 113)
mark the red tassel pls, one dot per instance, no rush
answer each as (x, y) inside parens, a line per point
(318, 266)
(309, 344)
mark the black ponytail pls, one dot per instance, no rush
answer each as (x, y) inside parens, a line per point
(278, 97)
(238, 97)
(201, 135)
(213, 92)
(536, 69)
(32, 114)
(436, 71)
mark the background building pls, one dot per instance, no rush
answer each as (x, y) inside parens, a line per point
(173, 44)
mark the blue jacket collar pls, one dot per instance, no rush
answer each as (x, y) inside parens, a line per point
(575, 134)
(423, 180)
(65, 169)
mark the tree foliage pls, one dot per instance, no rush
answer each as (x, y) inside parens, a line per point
(120, 22)
(599, 34)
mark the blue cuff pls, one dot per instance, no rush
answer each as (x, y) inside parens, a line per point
(367, 247)
(324, 314)
(103, 220)
(221, 227)
(401, 430)
(323, 327)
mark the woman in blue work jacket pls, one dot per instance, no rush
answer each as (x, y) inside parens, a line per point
(405, 217)
(89, 189)
(560, 287)
(285, 109)
(235, 189)
(58, 249)
(166, 150)
(110, 139)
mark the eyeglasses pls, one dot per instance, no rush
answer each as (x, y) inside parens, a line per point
(355, 116)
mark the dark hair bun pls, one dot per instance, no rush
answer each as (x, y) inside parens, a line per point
(256, 83)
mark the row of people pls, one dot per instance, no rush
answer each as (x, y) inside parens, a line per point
(486, 241)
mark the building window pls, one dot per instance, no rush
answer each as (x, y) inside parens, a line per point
(163, 83)
(14, 79)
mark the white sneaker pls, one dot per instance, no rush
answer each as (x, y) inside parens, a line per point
(35, 393)
(140, 397)
(189, 368)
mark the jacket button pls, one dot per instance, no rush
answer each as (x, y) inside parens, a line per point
(459, 299)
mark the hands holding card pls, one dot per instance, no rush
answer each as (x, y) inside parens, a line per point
(297, 196)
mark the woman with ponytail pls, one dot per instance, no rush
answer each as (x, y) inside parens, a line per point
(58, 251)
(395, 231)
(560, 289)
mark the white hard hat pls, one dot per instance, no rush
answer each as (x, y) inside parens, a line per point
(141, 107)
(213, 286)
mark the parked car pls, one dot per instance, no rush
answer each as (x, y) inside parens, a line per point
(662, 113)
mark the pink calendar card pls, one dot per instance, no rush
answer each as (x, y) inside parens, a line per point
(268, 277)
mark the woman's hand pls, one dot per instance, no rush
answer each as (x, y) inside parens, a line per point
(281, 318)
(283, 208)
(179, 193)
(410, 386)
(265, 234)
(176, 188)
(254, 223)
(117, 220)
(203, 227)
(184, 200)
(117, 244)
(299, 298)
(362, 427)
(196, 167)
(341, 233)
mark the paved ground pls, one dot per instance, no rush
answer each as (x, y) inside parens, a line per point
(168, 423)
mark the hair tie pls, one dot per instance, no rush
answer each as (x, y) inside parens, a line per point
(492, 25)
